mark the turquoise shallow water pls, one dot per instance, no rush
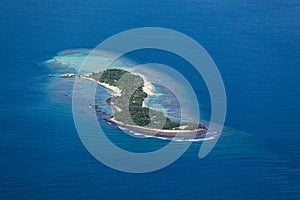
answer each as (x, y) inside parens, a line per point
(255, 46)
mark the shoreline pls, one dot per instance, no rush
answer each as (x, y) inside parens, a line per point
(116, 90)
(148, 88)
(154, 131)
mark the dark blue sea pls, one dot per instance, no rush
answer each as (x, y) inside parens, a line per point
(256, 46)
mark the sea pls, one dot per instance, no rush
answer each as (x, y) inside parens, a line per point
(256, 47)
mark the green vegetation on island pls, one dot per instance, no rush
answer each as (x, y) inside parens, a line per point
(130, 102)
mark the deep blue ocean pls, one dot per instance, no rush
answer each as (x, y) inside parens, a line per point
(256, 46)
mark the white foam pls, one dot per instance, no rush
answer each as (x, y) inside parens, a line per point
(149, 136)
(125, 129)
(178, 140)
(138, 134)
(200, 139)
(162, 138)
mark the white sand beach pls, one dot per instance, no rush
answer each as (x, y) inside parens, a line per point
(116, 90)
(162, 132)
(148, 87)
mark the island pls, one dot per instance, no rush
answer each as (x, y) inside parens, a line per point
(130, 92)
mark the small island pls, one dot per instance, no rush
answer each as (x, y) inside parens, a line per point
(128, 103)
